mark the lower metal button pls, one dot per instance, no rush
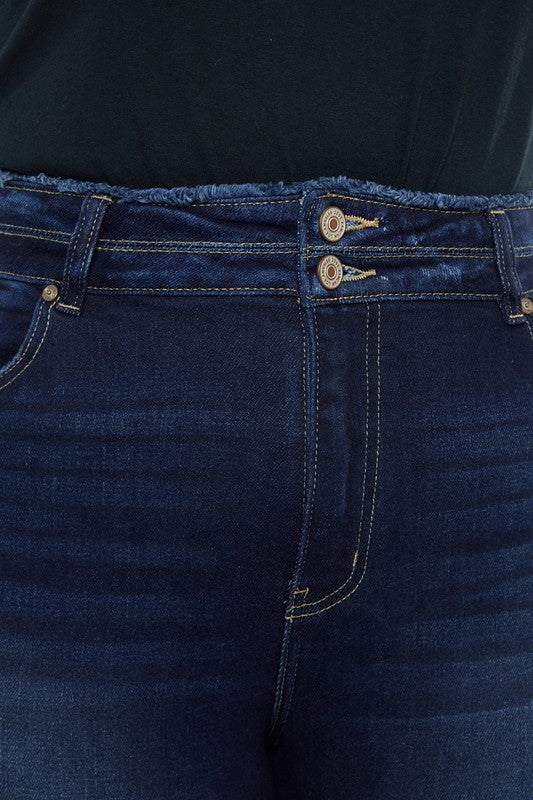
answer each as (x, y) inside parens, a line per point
(329, 271)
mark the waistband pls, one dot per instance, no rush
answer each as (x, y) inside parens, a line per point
(270, 238)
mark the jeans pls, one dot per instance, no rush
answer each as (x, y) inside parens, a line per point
(266, 492)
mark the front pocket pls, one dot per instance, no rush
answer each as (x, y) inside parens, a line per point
(24, 323)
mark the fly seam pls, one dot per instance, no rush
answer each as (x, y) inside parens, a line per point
(304, 492)
(338, 589)
(291, 693)
(342, 599)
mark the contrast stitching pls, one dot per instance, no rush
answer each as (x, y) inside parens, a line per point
(503, 259)
(416, 208)
(40, 191)
(342, 599)
(294, 673)
(243, 250)
(96, 218)
(401, 294)
(3, 386)
(404, 248)
(362, 222)
(355, 274)
(132, 200)
(190, 241)
(73, 251)
(36, 325)
(24, 275)
(193, 289)
(417, 251)
(304, 492)
(33, 236)
(511, 260)
(271, 202)
(354, 559)
(317, 249)
(28, 228)
(164, 245)
(315, 456)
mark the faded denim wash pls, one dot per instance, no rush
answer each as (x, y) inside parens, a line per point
(261, 539)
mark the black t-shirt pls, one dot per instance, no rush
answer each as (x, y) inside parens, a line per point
(423, 94)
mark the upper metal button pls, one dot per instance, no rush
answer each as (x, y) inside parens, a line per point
(332, 223)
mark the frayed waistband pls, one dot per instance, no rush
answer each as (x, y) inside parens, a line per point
(182, 195)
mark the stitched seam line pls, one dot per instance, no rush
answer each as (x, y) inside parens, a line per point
(270, 202)
(96, 217)
(192, 289)
(413, 208)
(187, 205)
(512, 269)
(28, 343)
(279, 247)
(7, 383)
(421, 295)
(502, 251)
(304, 493)
(352, 590)
(315, 455)
(294, 673)
(317, 250)
(73, 252)
(362, 505)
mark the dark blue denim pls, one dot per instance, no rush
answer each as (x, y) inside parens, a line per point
(262, 539)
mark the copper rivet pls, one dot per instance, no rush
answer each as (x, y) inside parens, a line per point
(332, 223)
(527, 305)
(50, 292)
(329, 271)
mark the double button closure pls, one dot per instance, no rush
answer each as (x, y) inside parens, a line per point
(332, 225)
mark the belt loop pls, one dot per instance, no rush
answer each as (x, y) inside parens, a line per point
(509, 301)
(80, 251)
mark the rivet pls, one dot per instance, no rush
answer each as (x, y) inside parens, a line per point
(527, 305)
(50, 292)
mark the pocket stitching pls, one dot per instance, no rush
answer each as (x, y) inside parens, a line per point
(27, 351)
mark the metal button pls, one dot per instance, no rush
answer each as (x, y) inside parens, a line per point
(50, 292)
(332, 223)
(527, 305)
(329, 271)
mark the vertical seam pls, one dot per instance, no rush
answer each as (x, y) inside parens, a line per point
(87, 245)
(73, 252)
(304, 494)
(337, 602)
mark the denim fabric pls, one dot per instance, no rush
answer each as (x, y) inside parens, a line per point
(259, 538)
